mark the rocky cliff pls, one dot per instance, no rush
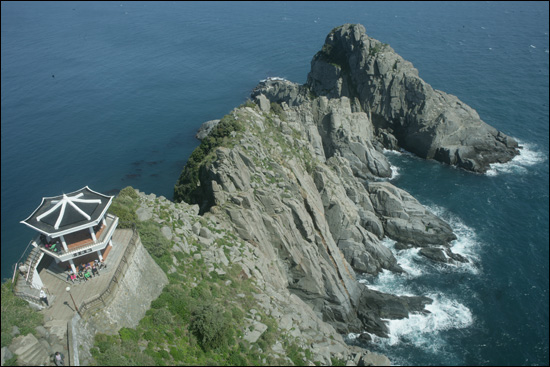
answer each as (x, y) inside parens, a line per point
(299, 175)
(405, 111)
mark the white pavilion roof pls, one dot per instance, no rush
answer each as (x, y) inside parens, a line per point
(68, 213)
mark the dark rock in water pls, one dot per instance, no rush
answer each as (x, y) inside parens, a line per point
(444, 255)
(404, 109)
(364, 338)
(375, 306)
(455, 256)
(402, 246)
(434, 253)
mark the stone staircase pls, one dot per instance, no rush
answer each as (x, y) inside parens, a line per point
(30, 352)
(32, 261)
(29, 294)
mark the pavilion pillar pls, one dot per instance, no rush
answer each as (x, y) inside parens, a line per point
(99, 255)
(92, 233)
(64, 243)
(73, 268)
(104, 221)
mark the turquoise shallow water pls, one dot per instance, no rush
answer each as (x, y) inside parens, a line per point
(111, 94)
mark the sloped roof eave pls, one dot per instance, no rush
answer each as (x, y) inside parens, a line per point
(91, 223)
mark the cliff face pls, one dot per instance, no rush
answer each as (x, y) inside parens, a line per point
(406, 111)
(299, 176)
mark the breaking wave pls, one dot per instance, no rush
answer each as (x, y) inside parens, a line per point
(527, 157)
(421, 329)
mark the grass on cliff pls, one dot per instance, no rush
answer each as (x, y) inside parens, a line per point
(187, 188)
(200, 317)
(124, 207)
(16, 312)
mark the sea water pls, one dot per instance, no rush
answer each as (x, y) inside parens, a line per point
(111, 94)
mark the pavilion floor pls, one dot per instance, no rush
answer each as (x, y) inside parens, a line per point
(54, 279)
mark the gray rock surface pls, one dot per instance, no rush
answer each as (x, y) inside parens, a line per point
(404, 109)
(206, 128)
(302, 185)
(6, 354)
(300, 199)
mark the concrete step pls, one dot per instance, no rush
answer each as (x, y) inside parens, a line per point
(29, 351)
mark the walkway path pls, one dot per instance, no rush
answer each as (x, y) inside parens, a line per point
(61, 304)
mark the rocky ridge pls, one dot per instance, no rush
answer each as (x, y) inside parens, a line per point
(314, 217)
(300, 175)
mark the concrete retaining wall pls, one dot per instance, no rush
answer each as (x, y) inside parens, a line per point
(142, 283)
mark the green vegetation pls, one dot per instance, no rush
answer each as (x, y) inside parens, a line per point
(187, 188)
(200, 317)
(124, 207)
(277, 109)
(377, 48)
(248, 103)
(16, 312)
(211, 326)
(155, 243)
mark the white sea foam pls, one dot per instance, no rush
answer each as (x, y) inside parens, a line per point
(272, 78)
(466, 243)
(394, 172)
(421, 330)
(527, 157)
(408, 259)
(390, 151)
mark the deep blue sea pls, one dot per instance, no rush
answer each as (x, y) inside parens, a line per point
(110, 94)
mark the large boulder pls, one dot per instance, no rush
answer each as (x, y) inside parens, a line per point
(404, 108)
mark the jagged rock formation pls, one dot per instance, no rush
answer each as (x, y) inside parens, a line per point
(292, 186)
(406, 111)
(300, 176)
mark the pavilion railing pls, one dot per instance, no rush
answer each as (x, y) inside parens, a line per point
(111, 223)
(106, 296)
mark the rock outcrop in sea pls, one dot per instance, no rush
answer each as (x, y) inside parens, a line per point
(405, 111)
(299, 175)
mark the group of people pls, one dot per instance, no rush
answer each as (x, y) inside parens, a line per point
(54, 246)
(86, 271)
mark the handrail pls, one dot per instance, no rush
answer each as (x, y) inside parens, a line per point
(32, 263)
(88, 306)
(18, 261)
